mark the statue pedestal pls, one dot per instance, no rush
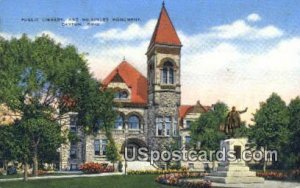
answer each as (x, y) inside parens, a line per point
(233, 172)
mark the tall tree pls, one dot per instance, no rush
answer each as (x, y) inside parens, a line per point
(271, 125)
(294, 128)
(39, 81)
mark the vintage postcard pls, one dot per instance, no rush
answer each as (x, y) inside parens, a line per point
(161, 93)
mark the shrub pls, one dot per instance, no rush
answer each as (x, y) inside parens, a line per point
(94, 168)
(141, 172)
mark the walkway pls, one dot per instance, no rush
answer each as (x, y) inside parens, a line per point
(62, 176)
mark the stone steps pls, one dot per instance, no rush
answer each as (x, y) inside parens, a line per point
(233, 168)
(234, 173)
(235, 180)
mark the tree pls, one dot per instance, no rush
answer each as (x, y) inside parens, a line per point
(112, 153)
(206, 129)
(293, 147)
(41, 134)
(40, 81)
(271, 125)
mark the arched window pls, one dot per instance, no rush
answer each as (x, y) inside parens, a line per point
(133, 122)
(168, 73)
(121, 94)
(119, 122)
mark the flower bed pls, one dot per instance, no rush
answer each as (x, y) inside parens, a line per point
(272, 175)
(278, 175)
(95, 168)
(141, 172)
(177, 179)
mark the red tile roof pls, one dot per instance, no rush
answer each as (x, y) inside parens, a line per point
(164, 32)
(198, 108)
(133, 79)
(183, 110)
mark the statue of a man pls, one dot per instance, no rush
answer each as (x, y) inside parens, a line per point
(233, 121)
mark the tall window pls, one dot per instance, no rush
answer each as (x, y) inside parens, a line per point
(119, 122)
(159, 126)
(103, 145)
(167, 73)
(188, 124)
(73, 123)
(168, 122)
(100, 147)
(163, 126)
(174, 127)
(133, 122)
(97, 147)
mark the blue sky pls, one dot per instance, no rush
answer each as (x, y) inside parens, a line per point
(236, 51)
(188, 15)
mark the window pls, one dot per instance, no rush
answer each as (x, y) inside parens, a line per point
(133, 122)
(167, 73)
(174, 127)
(103, 145)
(100, 147)
(121, 94)
(163, 126)
(188, 124)
(119, 122)
(73, 123)
(159, 126)
(188, 140)
(167, 125)
(97, 147)
(73, 151)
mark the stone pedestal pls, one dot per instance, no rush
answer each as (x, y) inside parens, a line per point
(233, 172)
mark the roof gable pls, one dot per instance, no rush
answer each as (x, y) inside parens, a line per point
(165, 32)
(132, 78)
(198, 108)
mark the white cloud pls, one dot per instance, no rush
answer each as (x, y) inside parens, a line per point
(56, 37)
(8, 36)
(132, 32)
(111, 57)
(253, 17)
(241, 30)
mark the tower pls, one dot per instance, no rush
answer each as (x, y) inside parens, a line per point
(164, 94)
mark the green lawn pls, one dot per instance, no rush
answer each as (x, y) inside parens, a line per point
(130, 181)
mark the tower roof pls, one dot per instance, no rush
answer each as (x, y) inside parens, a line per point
(165, 32)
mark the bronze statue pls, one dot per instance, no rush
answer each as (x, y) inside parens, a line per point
(233, 121)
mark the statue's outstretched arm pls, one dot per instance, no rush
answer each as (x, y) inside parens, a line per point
(243, 111)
